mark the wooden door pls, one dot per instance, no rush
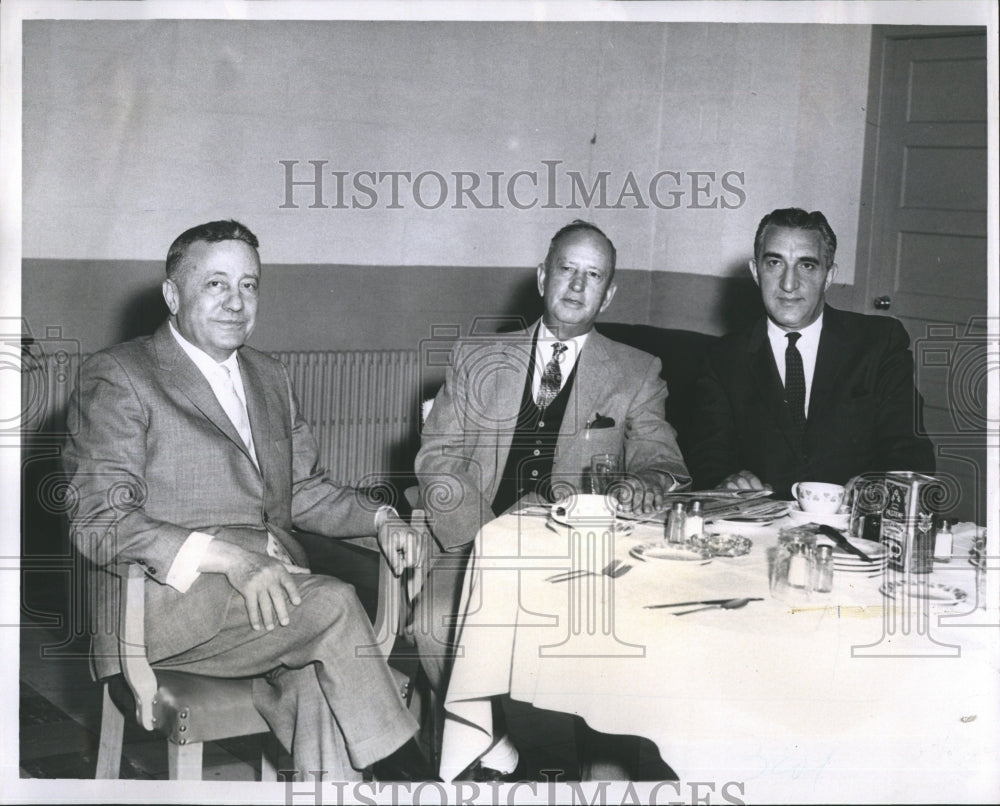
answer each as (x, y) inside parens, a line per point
(923, 232)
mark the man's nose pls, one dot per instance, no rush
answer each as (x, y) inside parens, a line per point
(789, 279)
(234, 300)
(578, 281)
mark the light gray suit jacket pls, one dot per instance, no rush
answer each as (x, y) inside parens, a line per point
(152, 456)
(468, 434)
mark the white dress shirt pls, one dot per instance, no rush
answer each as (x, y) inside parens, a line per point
(543, 354)
(808, 346)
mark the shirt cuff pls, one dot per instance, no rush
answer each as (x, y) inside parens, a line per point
(678, 483)
(384, 513)
(184, 569)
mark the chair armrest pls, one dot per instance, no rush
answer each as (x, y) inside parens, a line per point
(132, 645)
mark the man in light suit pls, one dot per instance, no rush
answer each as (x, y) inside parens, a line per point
(189, 457)
(809, 393)
(521, 415)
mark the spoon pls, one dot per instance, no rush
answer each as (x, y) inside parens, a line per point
(731, 604)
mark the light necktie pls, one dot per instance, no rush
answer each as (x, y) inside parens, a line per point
(234, 407)
(551, 378)
(795, 381)
(236, 410)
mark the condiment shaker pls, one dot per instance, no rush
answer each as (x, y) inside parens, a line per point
(823, 569)
(943, 543)
(675, 524)
(694, 524)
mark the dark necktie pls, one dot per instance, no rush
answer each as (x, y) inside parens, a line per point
(795, 381)
(552, 377)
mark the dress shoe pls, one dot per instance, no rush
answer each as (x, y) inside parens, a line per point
(408, 763)
(482, 774)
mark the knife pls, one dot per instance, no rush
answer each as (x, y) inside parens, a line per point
(842, 542)
(701, 602)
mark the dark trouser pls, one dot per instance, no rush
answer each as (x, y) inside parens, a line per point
(327, 689)
(435, 614)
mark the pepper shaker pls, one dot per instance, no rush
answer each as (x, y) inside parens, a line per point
(675, 524)
(823, 569)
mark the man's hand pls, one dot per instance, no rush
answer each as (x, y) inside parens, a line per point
(640, 494)
(265, 584)
(744, 480)
(402, 544)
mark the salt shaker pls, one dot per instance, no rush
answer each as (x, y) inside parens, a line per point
(823, 569)
(943, 543)
(798, 566)
(694, 523)
(675, 524)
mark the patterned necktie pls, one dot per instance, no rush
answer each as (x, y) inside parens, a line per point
(795, 381)
(551, 378)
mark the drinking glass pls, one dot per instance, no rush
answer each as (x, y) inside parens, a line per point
(604, 471)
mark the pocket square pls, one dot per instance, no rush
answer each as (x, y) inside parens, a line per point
(600, 421)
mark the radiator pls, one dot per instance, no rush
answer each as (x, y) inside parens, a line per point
(363, 406)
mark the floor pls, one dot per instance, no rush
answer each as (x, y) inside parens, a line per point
(60, 713)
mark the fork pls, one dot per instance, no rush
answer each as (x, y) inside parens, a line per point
(613, 569)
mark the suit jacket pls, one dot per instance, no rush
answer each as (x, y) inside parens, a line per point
(153, 456)
(863, 408)
(468, 434)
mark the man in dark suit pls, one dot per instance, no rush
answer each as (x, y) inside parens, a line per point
(809, 393)
(189, 457)
(521, 415)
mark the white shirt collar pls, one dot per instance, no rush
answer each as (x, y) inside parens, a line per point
(547, 336)
(203, 360)
(809, 334)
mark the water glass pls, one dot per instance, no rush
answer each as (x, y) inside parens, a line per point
(605, 469)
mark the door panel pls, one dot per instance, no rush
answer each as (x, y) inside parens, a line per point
(926, 193)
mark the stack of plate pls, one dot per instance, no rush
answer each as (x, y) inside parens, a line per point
(851, 563)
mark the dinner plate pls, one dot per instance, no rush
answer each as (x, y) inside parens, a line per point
(838, 520)
(936, 592)
(860, 567)
(658, 550)
(866, 568)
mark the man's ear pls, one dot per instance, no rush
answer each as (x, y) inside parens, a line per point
(541, 279)
(753, 270)
(170, 296)
(609, 294)
(830, 274)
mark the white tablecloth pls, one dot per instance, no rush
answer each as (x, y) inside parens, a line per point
(845, 697)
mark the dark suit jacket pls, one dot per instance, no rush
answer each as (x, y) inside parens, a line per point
(152, 456)
(468, 434)
(862, 409)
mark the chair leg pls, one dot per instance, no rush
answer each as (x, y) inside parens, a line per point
(184, 761)
(109, 752)
(269, 759)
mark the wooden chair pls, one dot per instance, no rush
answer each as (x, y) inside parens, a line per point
(190, 709)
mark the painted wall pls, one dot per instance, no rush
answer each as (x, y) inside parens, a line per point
(134, 131)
